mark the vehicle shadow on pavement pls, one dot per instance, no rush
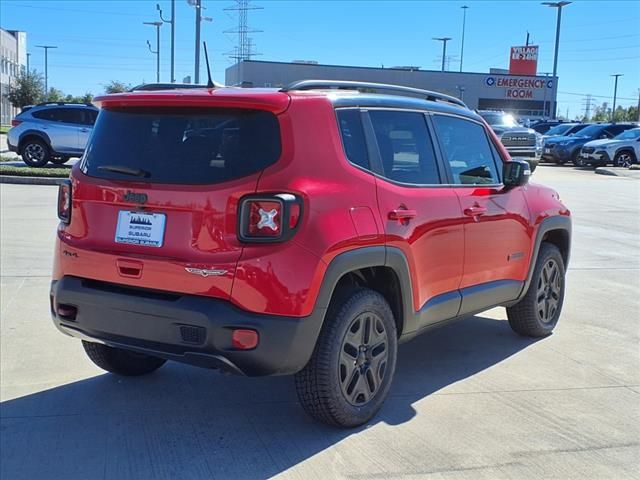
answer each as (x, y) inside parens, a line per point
(184, 422)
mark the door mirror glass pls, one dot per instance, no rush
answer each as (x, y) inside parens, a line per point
(516, 173)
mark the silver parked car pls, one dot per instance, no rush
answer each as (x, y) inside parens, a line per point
(622, 150)
(51, 132)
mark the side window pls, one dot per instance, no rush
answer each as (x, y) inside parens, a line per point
(91, 116)
(70, 115)
(467, 150)
(405, 146)
(47, 114)
(355, 147)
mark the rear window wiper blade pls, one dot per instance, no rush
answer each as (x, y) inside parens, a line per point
(134, 172)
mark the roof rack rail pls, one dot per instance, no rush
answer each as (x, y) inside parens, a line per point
(169, 86)
(42, 104)
(350, 85)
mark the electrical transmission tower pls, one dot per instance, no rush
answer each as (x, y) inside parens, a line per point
(587, 103)
(244, 49)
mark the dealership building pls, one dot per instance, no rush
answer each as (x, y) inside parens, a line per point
(525, 96)
(13, 59)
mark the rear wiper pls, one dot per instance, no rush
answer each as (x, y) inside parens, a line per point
(135, 172)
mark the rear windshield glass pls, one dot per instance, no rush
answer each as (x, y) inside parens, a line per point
(184, 146)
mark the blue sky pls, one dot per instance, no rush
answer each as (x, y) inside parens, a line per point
(103, 40)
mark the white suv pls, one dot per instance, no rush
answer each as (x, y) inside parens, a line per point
(51, 132)
(621, 150)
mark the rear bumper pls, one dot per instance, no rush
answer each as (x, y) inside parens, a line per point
(185, 328)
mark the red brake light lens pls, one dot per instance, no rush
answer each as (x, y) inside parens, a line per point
(64, 202)
(15, 122)
(265, 218)
(269, 218)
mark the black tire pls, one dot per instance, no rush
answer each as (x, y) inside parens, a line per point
(59, 160)
(577, 160)
(121, 362)
(35, 152)
(343, 385)
(624, 159)
(537, 314)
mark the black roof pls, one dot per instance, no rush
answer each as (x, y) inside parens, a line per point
(374, 100)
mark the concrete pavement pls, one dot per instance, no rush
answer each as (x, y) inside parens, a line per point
(469, 401)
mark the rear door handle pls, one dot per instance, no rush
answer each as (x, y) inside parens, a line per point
(475, 211)
(402, 214)
(84, 129)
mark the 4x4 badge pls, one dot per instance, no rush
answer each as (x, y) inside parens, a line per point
(205, 272)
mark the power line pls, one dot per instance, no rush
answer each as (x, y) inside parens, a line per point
(595, 96)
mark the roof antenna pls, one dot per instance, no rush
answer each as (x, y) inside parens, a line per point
(210, 83)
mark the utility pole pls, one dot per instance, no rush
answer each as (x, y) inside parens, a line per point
(173, 36)
(615, 95)
(46, 68)
(157, 52)
(28, 58)
(464, 21)
(638, 112)
(559, 6)
(527, 41)
(244, 49)
(444, 41)
(198, 6)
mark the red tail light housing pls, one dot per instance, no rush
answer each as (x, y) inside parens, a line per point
(64, 202)
(269, 218)
(15, 122)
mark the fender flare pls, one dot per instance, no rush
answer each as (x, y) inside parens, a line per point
(375, 256)
(35, 133)
(549, 224)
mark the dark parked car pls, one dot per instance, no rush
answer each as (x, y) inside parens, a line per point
(565, 129)
(544, 127)
(565, 149)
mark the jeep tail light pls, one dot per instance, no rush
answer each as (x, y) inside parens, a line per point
(269, 218)
(15, 122)
(64, 202)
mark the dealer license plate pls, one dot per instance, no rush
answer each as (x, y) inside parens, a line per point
(140, 228)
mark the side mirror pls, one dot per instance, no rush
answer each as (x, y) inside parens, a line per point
(515, 173)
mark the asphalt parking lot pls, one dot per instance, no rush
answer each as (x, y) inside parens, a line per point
(469, 401)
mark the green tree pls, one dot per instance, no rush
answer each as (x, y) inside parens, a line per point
(114, 86)
(601, 113)
(28, 89)
(55, 95)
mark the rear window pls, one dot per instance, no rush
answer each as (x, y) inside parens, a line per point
(181, 146)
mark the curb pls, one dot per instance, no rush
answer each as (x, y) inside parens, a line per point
(606, 171)
(16, 180)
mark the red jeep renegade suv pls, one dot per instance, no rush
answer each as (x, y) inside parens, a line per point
(303, 231)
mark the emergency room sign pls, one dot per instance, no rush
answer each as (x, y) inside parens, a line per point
(519, 87)
(523, 60)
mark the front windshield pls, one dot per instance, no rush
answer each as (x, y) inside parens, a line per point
(629, 134)
(590, 131)
(500, 119)
(559, 129)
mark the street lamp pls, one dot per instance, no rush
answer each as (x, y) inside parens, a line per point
(559, 6)
(46, 68)
(173, 35)
(157, 52)
(464, 21)
(615, 95)
(444, 41)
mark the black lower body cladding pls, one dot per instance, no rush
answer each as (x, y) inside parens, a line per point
(185, 328)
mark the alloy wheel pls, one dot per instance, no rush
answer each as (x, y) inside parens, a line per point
(363, 359)
(34, 152)
(623, 160)
(548, 291)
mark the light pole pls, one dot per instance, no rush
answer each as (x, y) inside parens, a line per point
(615, 95)
(157, 52)
(444, 41)
(559, 6)
(173, 35)
(46, 68)
(544, 101)
(464, 21)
